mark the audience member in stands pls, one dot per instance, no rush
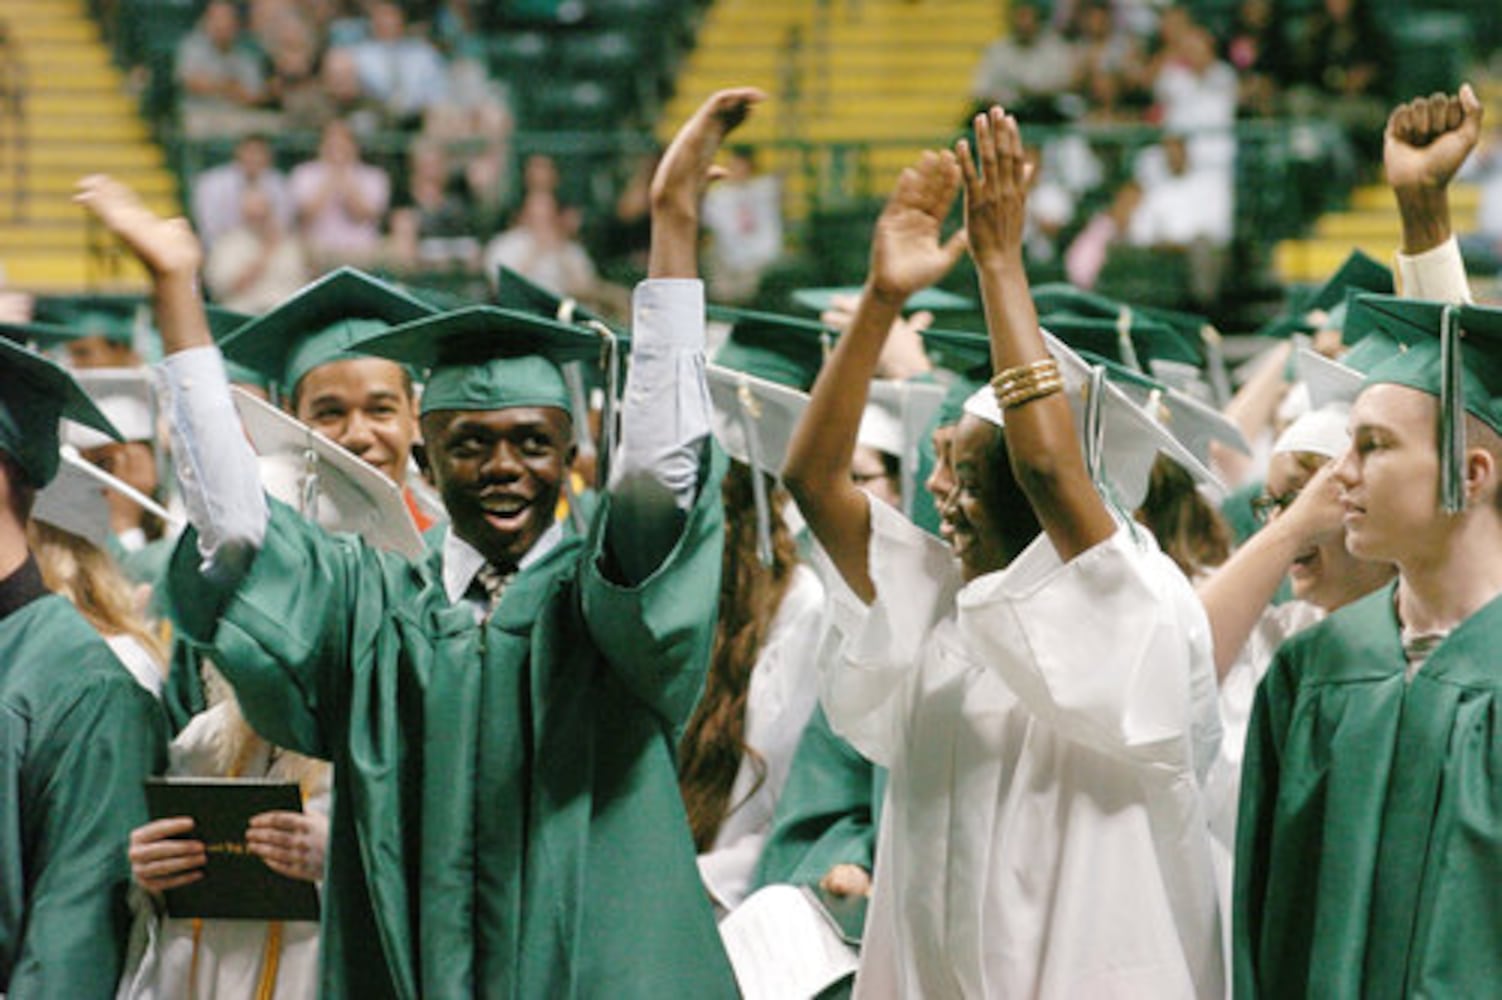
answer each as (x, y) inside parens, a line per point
(340, 200)
(1102, 49)
(218, 191)
(1027, 70)
(431, 223)
(1089, 250)
(340, 96)
(743, 217)
(220, 74)
(542, 246)
(259, 262)
(1335, 68)
(403, 71)
(294, 86)
(1049, 210)
(1187, 209)
(1195, 93)
(1254, 48)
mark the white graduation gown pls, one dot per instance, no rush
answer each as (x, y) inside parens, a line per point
(1046, 728)
(784, 688)
(230, 952)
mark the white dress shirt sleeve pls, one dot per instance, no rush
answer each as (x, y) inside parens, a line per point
(1437, 274)
(216, 468)
(665, 420)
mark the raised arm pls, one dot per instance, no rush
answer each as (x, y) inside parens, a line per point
(1041, 443)
(906, 254)
(216, 467)
(665, 415)
(1238, 592)
(1426, 141)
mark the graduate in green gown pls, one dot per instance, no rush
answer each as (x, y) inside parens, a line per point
(507, 819)
(77, 733)
(1368, 842)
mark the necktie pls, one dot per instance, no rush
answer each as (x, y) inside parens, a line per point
(493, 582)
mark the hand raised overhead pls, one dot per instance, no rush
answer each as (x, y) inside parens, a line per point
(996, 182)
(1428, 138)
(165, 246)
(907, 253)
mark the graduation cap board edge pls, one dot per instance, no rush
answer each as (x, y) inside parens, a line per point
(75, 500)
(324, 482)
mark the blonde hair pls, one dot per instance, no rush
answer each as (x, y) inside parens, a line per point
(89, 578)
(239, 743)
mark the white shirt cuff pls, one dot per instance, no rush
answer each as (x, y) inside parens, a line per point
(1437, 274)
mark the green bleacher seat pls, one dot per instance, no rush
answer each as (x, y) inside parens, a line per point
(600, 54)
(519, 56)
(579, 105)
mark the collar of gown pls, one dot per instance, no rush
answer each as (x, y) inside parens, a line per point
(24, 586)
(461, 560)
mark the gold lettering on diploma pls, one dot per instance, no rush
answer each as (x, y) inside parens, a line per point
(228, 847)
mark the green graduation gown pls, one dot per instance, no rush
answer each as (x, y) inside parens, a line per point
(77, 737)
(1369, 847)
(828, 810)
(507, 821)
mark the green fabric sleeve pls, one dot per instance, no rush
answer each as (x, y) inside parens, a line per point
(657, 633)
(282, 636)
(107, 743)
(825, 815)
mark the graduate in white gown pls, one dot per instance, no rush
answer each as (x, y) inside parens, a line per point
(1045, 704)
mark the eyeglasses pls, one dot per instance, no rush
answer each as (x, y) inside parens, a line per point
(1265, 507)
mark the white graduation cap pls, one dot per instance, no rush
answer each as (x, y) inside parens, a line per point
(125, 396)
(1121, 440)
(1328, 381)
(75, 500)
(754, 419)
(897, 416)
(325, 482)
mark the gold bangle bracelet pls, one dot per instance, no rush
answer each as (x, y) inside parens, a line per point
(1018, 397)
(1018, 373)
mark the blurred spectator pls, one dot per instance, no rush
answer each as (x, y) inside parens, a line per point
(542, 247)
(1187, 209)
(1049, 209)
(340, 200)
(1254, 48)
(477, 118)
(743, 216)
(404, 72)
(1195, 94)
(258, 264)
(1102, 50)
(340, 97)
(432, 224)
(217, 191)
(219, 72)
(293, 85)
(1482, 248)
(627, 235)
(1335, 71)
(1088, 252)
(1026, 71)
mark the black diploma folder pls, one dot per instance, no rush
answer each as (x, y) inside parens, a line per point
(236, 885)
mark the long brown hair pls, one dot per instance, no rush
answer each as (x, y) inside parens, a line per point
(709, 755)
(1189, 530)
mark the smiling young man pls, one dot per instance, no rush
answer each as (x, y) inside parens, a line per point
(507, 819)
(365, 404)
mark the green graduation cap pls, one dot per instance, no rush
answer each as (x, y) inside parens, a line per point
(1359, 274)
(320, 325)
(516, 291)
(488, 358)
(1131, 339)
(34, 394)
(324, 482)
(1453, 352)
(75, 500)
(968, 356)
(222, 323)
(783, 349)
(115, 317)
(935, 300)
